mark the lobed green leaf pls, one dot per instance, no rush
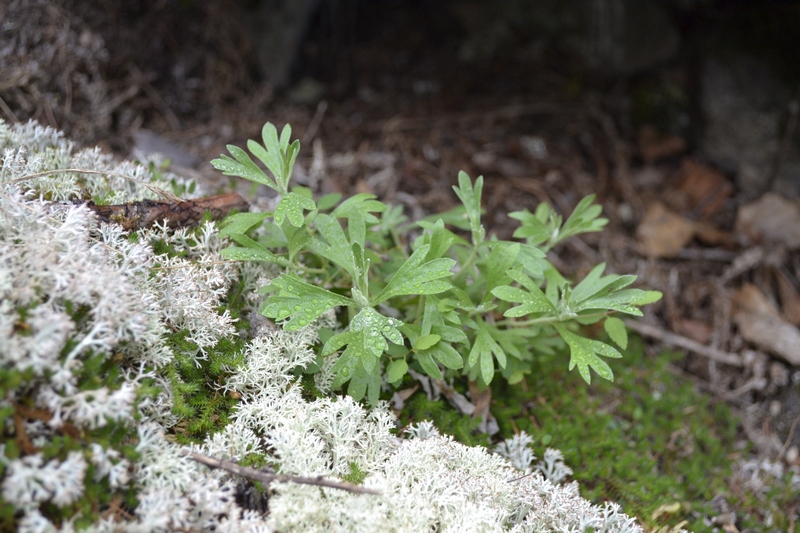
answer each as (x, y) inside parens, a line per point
(299, 301)
(242, 166)
(584, 353)
(418, 277)
(531, 300)
(331, 243)
(241, 223)
(291, 207)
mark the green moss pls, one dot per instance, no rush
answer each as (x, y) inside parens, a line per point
(647, 440)
(446, 419)
(161, 247)
(196, 384)
(355, 476)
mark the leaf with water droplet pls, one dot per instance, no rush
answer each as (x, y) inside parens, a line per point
(277, 154)
(332, 244)
(242, 166)
(366, 337)
(343, 369)
(584, 353)
(235, 253)
(358, 383)
(532, 300)
(292, 206)
(418, 277)
(470, 196)
(619, 301)
(358, 211)
(293, 292)
(240, 223)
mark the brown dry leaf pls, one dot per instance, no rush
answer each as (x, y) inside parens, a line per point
(695, 329)
(749, 298)
(713, 236)
(770, 333)
(706, 187)
(654, 146)
(663, 233)
(405, 394)
(363, 187)
(759, 322)
(790, 299)
(771, 218)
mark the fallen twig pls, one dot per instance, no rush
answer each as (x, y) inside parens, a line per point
(266, 477)
(683, 342)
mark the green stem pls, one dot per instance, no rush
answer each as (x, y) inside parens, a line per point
(467, 266)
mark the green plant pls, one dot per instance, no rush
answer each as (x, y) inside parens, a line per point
(468, 306)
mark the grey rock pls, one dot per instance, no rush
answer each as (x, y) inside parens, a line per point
(148, 144)
(277, 29)
(745, 107)
(617, 36)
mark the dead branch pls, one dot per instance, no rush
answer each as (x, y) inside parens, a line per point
(138, 215)
(266, 477)
(682, 342)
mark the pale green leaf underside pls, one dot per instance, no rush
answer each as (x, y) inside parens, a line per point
(481, 353)
(426, 341)
(429, 365)
(617, 331)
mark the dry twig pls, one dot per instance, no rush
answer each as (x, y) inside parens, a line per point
(266, 477)
(683, 342)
